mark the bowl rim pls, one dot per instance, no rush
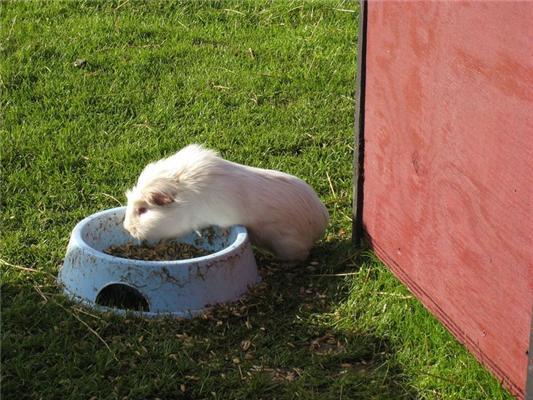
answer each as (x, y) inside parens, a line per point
(77, 237)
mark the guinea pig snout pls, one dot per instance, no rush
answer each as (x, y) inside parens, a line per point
(134, 233)
(129, 227)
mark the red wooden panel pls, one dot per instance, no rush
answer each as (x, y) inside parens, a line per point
(449, 166)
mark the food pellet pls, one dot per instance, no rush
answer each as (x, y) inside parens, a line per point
(165, 250)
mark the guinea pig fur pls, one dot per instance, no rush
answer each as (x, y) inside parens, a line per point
(195, 188)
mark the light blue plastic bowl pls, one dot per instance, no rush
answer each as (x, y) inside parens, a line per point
(181, 288)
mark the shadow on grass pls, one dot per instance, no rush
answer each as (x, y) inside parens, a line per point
(277, 342)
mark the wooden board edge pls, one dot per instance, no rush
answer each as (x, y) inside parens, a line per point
(358, 158)
(441, 315)
(529, 383)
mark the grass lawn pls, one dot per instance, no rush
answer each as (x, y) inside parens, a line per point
(270, 84)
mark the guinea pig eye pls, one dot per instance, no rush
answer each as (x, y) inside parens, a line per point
(141, 210)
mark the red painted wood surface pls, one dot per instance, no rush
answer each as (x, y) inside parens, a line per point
(448, 188)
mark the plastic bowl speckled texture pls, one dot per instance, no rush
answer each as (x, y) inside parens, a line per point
(180, 288)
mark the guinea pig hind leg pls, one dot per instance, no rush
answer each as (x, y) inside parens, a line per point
(288, 249)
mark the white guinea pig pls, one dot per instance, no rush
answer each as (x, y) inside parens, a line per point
(195, 188)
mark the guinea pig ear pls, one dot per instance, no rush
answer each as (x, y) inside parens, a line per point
(161, 199)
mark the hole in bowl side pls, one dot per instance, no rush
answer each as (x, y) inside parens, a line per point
(120, 295)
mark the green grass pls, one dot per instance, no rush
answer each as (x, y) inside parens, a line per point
(269, 84)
